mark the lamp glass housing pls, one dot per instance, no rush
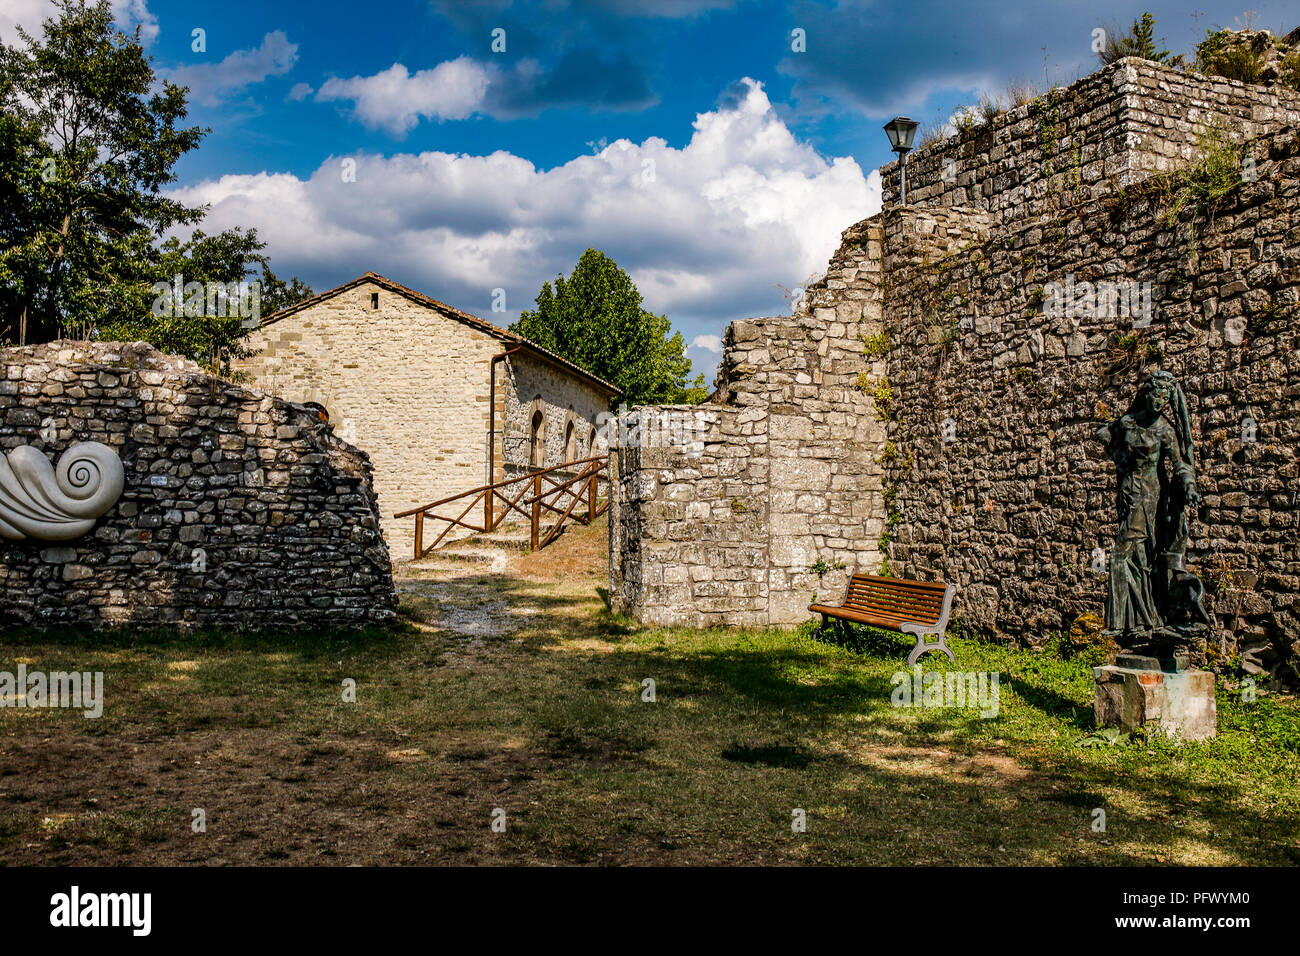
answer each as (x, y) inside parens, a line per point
(901, 131)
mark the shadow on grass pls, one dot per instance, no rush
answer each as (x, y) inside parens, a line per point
(309, 642)
(1053, 703)
(862, 639)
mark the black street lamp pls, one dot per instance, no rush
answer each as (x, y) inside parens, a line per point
(900, 130)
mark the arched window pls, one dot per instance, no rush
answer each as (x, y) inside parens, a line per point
(591, 444)
(570, 442)
(537, 454)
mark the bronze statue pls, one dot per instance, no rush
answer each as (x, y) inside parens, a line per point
(1153, 604)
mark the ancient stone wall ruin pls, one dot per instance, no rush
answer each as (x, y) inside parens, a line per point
(1087, 140)
(728, 530)
(929, 381)
(239, 510)
(1000, 484)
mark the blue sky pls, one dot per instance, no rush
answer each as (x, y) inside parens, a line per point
(686, 138)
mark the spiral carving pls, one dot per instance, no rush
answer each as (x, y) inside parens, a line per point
(38, 501)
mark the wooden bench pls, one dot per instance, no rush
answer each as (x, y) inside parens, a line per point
(897, 604)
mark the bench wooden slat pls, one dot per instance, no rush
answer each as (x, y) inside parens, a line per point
(922, 615)
(874, 594)
(899, 604)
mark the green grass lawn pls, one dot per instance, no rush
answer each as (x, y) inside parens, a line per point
(547, 723)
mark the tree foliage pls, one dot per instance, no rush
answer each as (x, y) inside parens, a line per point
(595, 318)
(89, 137)
(205, 298)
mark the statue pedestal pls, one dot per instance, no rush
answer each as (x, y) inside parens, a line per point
(1163, 695)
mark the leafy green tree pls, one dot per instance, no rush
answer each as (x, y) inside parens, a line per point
(90, 142)
(595, 319)
(206, 298)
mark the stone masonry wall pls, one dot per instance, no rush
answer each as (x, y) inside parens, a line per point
(239, 510)
(1085, 141)
(1014, 498)
(688, 526)
(787, 475)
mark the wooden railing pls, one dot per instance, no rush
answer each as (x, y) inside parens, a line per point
(574, 482)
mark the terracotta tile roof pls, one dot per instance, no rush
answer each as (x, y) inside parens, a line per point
(452, 312)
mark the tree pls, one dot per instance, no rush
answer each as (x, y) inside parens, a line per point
(88, 141)
(594, 318)
(206, 296)
(90, 149)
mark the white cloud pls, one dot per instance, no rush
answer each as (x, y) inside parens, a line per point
(710, 343)
(300, 91)
(396, 100)
(132, 13)
(209, 82)
(706, 231)
(30, 14)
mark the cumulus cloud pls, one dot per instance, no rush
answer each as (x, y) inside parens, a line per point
(300, 91)
(706, 230)
(396, 100)
(30, 14)
(710, 343)
(210, 82)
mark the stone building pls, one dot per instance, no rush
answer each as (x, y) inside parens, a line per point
(928, 411)
(434, 395)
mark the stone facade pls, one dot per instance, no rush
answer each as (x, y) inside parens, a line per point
(571, 410)
(407, 379)
(239, 510)
(968, 451)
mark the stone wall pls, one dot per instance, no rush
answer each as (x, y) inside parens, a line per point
(410, 384)
(986, 471)
(1014, 498)
(239, 510)
(1087, 140)
(786, 476)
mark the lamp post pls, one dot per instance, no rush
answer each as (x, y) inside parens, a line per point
(901, 130)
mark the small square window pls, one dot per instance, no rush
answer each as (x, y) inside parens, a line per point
(374, 300)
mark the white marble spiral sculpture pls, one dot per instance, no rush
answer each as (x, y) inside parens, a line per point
(39, 502)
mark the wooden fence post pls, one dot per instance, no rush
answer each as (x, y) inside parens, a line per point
(419, 533)
(537, 508)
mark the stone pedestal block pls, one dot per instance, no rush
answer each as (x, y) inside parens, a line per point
(1166, 699)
